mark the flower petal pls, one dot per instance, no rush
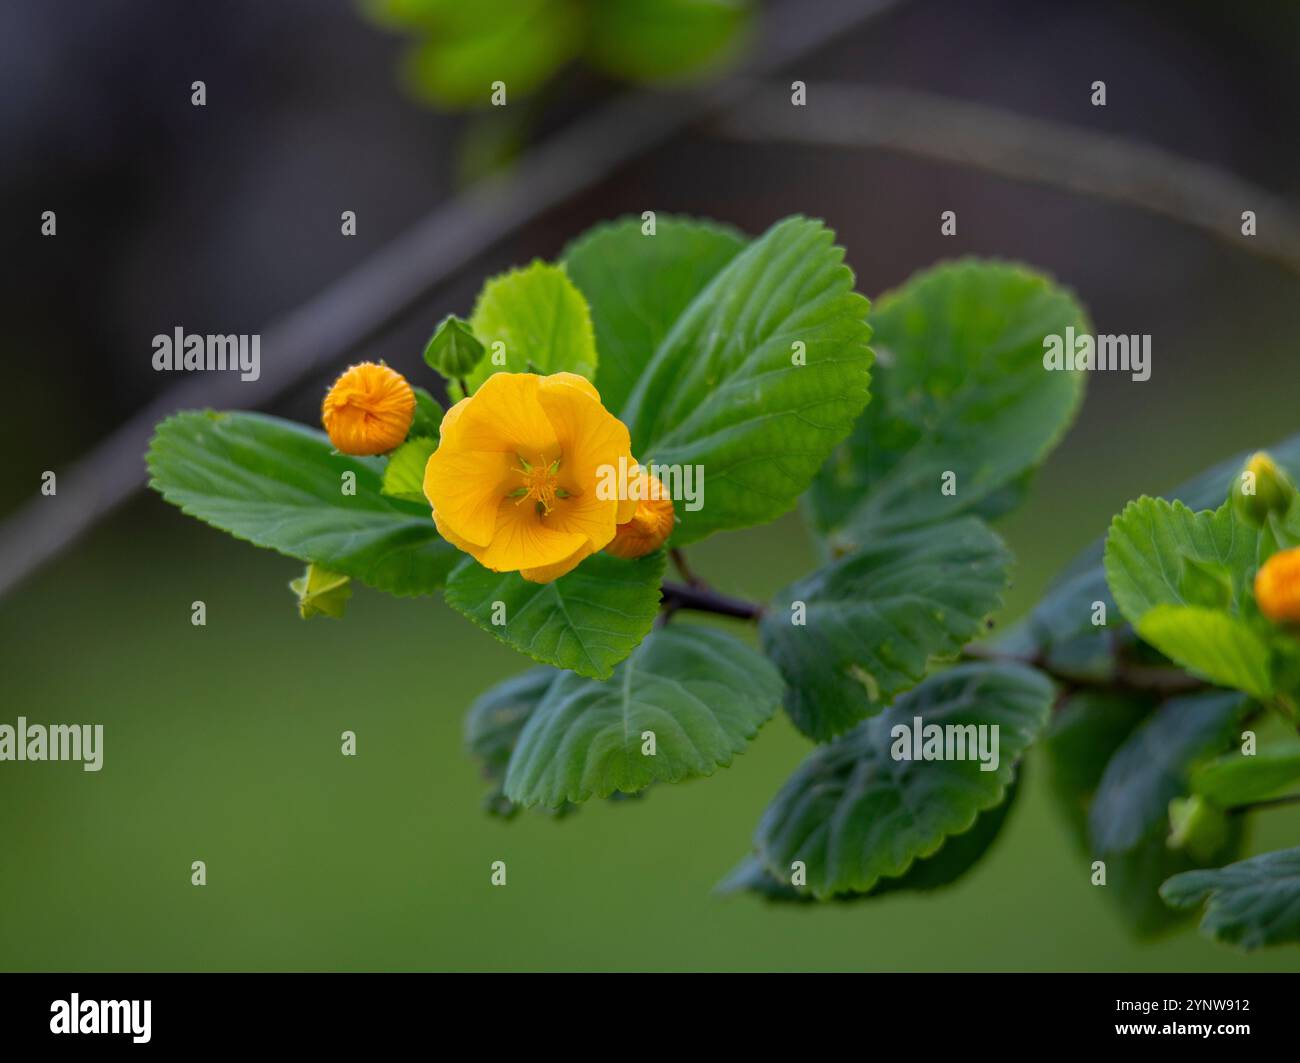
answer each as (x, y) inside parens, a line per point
(524, 540)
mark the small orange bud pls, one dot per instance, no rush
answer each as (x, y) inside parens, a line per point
(1277, 587)
(650, 525)
(368, 410)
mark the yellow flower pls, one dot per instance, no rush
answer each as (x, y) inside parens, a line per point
(650, 525)
(514, 479)
(1277, 587)
(368, 410)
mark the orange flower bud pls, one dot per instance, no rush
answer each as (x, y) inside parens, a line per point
(1277, 587)
(368, 410)
(650, 525)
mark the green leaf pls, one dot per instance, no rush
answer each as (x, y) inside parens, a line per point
(657, 40)
(960, 387)
(959, 854)
(854, 815)
(1157, 552)
(877, 620)
(542, 320)
(470, 46)
(1211, 644)
(587, 621)
(321, 593)
(639, 285)
(453, 350)
(404, 473)
(493, 725)
(280, 485)
(702, 693)
(726, 391)
(1251, 903)
(1154, 765)
(1088, 731)
(1234, 779)
(428, 416)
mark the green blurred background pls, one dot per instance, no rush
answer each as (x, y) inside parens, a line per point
(222, 743)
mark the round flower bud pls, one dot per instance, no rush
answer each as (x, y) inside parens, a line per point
(1277, 587)
(650, 525)
(368, 410)
(1261, 488)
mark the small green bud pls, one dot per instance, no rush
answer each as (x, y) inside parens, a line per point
(321, 593)
(1196, 826)
(452, 350)
(1261, 488)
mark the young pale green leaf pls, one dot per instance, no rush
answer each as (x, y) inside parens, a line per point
(759, 378)
(1250, 903)
(697, 693)
(470, 46)
(959, 854)
(870, 625)
(853, 814)
(321, 593)
(638, 285)
(665, 40)
(1154, 765)
(586, 621)
(404, 473)
(1212, 644)
(279, 485)
(960, 387)
(1234, 779)
(539, 319)
(1157, 553)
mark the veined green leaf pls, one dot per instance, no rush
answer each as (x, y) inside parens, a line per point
(281, 486)
(1211, 644)
(638, 286)
(759, 378)
(853, 814)
(697, 693)
(1152, 542)
(1250, 903)
(958, 855)
(540, 319)
(868, 626)
(960, 388)
(587, 621)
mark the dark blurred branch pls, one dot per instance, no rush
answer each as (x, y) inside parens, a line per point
(1131, 678)
(362, 304)
(1024, 149)
(702, 599)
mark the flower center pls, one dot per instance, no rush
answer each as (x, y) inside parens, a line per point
(541, 483)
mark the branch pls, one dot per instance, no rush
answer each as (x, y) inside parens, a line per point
(1025, 149)
(362, 304)
(683, 596)
(1139, 679)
